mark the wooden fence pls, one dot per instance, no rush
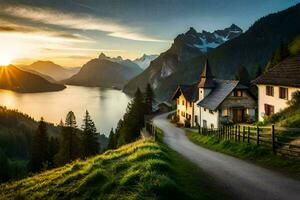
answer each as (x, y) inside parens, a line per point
(284, 141)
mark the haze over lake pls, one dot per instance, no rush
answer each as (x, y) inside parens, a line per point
(106, 106)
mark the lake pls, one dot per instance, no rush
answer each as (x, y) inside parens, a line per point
(106, 106)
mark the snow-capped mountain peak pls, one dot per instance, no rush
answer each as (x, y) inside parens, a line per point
(207, 40)
(145, 60)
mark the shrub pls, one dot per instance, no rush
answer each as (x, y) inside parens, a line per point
(187, 124)
(175, 119)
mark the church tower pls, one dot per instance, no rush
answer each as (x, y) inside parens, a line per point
(206, 83)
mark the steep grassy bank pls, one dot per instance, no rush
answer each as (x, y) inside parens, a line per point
(141, 170)
(257, 154)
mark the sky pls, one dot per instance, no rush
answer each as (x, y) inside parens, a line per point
(71, 32)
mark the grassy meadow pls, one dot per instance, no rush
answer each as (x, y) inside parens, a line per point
(141, 170)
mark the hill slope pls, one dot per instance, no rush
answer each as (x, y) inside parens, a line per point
(141, 170)
(105, 72)
(12, 78)
(253, 47)
(51, 69)
(16, 132)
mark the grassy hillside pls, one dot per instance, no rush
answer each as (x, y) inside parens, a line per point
(141, 170)
(288, 117)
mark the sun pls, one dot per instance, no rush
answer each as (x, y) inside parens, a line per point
(5, 60)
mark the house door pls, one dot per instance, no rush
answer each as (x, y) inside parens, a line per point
(238, 115)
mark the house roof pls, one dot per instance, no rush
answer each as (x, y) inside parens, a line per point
(190, 92)
(218, 95)
(286, 73)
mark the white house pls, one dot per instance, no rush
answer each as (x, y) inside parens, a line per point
(276, 86)
(212, 102)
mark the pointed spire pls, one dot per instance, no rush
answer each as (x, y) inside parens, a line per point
(206, 78)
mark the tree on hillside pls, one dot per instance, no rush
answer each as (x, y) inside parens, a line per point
(149, 98)
(242, 75)
(90, 144)
(69, 142)
(71, 120)
(39, 155)
(53, 148)
(128, 129)
(280, 54)
(111, 140)
(4, 167)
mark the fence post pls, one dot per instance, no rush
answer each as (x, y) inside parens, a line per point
(235, 135)
(239, 138)
(273, 139)
(243, 133)
(248, 135)
(257, 136)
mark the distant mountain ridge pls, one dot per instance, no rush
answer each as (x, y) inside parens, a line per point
(12, 78)
(105, 72)
(182, 64)
(51, 69)
(119, 60)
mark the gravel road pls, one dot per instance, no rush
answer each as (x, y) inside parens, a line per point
(241, 178)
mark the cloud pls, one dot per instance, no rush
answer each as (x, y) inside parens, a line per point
(83, 49)
(78, 21)
(31, 31)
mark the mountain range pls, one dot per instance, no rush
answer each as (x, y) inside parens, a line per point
(12, 78)
(183, 62)
(48, 68)
(105, 72)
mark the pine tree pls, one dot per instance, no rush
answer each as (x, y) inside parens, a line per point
(71, 120)
(70, 148)
(90, 144)
(4, 167)
(111, 140)
(39, 154)
(133, 120)
(53, 149)
(242, 75)
(149, 98)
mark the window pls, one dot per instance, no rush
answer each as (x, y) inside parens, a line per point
(269, 109)
(269, 90)
(211, 112)
(204, 109)
(188, 117)
(225, 112)
(182, 114)
(283, 93)
(212, 126)
(238, 93)
(182, 102)
(204, 124)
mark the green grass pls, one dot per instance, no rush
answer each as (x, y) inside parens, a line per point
(141, 170)
(260, 155)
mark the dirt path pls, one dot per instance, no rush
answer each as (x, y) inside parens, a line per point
(243, 179)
